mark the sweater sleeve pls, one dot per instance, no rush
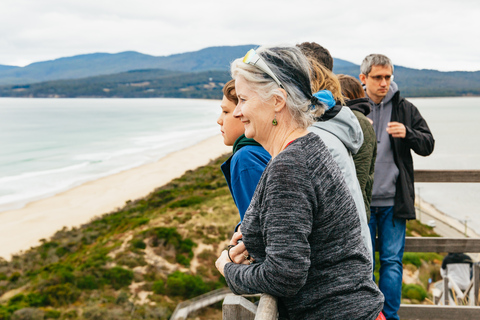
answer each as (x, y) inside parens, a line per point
(247, 167)
(285, 224)
(418, 136)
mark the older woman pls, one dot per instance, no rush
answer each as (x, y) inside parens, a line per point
(301, 230)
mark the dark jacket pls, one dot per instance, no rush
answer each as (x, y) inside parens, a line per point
(365, 157)
(419, 139)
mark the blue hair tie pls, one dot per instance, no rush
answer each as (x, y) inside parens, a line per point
(326, 97)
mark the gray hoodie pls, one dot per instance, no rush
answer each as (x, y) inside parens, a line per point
(343, 137)
(386, 171)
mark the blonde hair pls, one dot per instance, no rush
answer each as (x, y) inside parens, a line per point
(324, 79)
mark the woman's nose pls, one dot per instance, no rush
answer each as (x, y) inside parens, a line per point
(237, 113)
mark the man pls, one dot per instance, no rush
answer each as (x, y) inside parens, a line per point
(399, 128)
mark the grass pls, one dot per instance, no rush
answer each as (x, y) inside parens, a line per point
(73, 275)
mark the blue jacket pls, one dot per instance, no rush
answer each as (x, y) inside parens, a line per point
(243, 171)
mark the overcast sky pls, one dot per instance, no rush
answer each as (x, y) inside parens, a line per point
(442, 34)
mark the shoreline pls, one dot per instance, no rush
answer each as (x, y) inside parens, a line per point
(446, 226)
(23, 228)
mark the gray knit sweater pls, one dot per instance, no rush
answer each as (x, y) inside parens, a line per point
(303, 231)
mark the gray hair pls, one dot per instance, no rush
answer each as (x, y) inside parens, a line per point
(375, 59)
(293, 70)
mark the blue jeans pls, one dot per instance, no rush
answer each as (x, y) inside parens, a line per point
(391, 243)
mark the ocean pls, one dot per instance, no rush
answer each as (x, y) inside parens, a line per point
(454, 123)
(52, 145)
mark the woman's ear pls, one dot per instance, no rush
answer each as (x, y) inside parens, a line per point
(280, 102)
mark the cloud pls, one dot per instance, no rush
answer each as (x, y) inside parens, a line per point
(421, 34)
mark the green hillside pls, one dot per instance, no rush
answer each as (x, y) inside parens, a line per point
(139, 262)
(155, 83)
(132, 84)
(427, 83)
(161, 248)
(89, 65)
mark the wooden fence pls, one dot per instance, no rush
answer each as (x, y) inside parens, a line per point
(237, 307)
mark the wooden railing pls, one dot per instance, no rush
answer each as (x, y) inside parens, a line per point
(237, 307)
(438, 312)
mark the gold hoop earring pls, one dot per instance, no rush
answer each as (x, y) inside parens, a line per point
(274, 121)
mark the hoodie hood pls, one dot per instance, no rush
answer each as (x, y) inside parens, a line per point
(344, 125)
(391, 92)
(362, 105)
(382, 112)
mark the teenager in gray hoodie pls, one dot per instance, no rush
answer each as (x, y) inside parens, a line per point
(341, 132)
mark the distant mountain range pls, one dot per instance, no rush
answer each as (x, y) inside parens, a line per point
(199, 74)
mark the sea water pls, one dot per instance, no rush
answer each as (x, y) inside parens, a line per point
(455, 124)
(51, 145)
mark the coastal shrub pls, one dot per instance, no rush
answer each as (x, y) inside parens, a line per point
(70, 314)
(118, 277)
(88, 282)
(16, 299)
(170, 236)
(4, 313)
(137, 222)
(414, 291)
(138, 244)
(190, 201)
(52, 314)
(416, 228)
(185, 285)
(61, 251)
(181, 259)
(35, 299)
(412, 258)
(3, 276)
(14, 277)
(61, 294)
(159, 287)
(430, 257)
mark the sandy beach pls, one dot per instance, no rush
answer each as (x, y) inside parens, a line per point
(23, 228)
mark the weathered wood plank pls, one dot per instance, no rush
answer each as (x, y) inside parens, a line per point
(267, 308)
(447, 176)
(424, 244)
(476, 284)
(430, 312)
(237, 307)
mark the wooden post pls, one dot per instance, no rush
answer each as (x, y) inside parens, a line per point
(237, 307)
(446, 294)
(476, 283)
(267, 308)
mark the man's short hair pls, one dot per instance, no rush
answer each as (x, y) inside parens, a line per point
(314, 50)
(374, 59)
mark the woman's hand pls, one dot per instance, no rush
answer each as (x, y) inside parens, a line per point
(236, 253)
(222, 261)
